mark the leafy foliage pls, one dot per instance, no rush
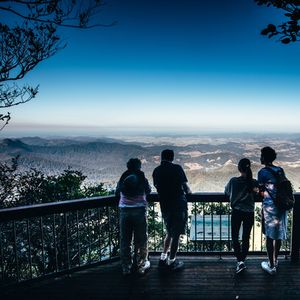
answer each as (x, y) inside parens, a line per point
(7, 181)
(56, 241)
(34, 187)
(288, 31)
(32, 38)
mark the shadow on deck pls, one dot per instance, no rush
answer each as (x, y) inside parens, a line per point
(204, 277)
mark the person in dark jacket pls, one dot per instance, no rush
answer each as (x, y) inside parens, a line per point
(132, 189)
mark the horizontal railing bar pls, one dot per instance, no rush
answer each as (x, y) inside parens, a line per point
(29, 211)
(218, 253)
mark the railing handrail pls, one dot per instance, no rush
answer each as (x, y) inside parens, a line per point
(37, 210)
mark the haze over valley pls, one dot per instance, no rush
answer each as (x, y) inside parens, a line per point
(209, 161)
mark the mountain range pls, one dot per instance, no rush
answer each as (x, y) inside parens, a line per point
(209, 163)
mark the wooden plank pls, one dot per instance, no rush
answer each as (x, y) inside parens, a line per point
(202, 278)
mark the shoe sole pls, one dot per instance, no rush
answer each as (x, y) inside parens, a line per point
(272, 273)
(240, 270)
(178, 268)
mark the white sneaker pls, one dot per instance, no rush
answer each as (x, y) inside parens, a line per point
(142, 269)
(126, 270)
(240, 266)
(266, 267)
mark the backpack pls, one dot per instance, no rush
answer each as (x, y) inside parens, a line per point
(129, 185)
(284, 199)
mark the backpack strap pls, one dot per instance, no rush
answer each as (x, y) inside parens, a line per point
(275, 173)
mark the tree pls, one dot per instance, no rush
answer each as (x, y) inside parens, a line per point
(288, 31)
(29, 35)
(90, 233)
(7, 181)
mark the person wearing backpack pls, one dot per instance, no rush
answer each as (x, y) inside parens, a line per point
(241, 192)
(132, 189)
(274, 219)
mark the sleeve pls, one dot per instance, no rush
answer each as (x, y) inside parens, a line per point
(255, 183)
(154, 176)
(282, 171)
(118, 189)
(119, 184)
(261, 182)
(227, 188)
(260, 177)
(182, 175)
(147, 187)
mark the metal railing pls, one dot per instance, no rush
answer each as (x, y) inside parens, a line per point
(61, 237)
(209, 227)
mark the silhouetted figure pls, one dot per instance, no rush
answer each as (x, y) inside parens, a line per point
(242, 192)
(133, 188)
(274, 220)
(171, 184)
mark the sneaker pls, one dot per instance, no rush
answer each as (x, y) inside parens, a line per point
(162, 263)
(240, 266)
(142, 269)
(176, 265)
(276, 264)
(126, 271)
(266, 267)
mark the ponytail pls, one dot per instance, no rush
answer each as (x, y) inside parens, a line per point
(245, 167)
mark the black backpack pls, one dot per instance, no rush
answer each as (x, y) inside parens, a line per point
(284, 199)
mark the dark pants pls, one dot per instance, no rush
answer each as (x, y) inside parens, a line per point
(237, 218)
(133, 225)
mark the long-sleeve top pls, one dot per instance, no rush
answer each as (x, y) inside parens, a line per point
(241, 198)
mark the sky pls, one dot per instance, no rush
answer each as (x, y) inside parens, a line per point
(167, 66)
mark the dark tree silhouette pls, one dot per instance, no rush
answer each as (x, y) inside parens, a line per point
(288, 31)
(28, 35)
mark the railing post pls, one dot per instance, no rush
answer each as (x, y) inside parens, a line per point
(295, 243)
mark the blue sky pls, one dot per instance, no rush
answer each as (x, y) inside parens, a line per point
(168, 65)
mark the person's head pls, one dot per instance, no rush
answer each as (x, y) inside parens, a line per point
(268, 155)
(167, 154)
(134, 164)
(244, 165)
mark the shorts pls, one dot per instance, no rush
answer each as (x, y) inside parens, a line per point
(175, 222)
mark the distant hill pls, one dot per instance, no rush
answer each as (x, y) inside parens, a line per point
(13, 146)
(208, 165)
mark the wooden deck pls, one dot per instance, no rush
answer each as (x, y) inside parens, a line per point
(204, 277)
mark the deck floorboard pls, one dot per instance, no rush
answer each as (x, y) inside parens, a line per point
(202, 278)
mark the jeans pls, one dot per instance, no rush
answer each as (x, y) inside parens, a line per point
(133, 225)
(237, 218)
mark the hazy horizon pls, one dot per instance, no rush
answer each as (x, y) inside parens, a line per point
(15, 130)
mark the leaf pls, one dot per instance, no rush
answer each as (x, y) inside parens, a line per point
(285, 41)
(265, 31)
(271, 27)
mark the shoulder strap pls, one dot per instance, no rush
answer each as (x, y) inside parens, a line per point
(274, 173)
